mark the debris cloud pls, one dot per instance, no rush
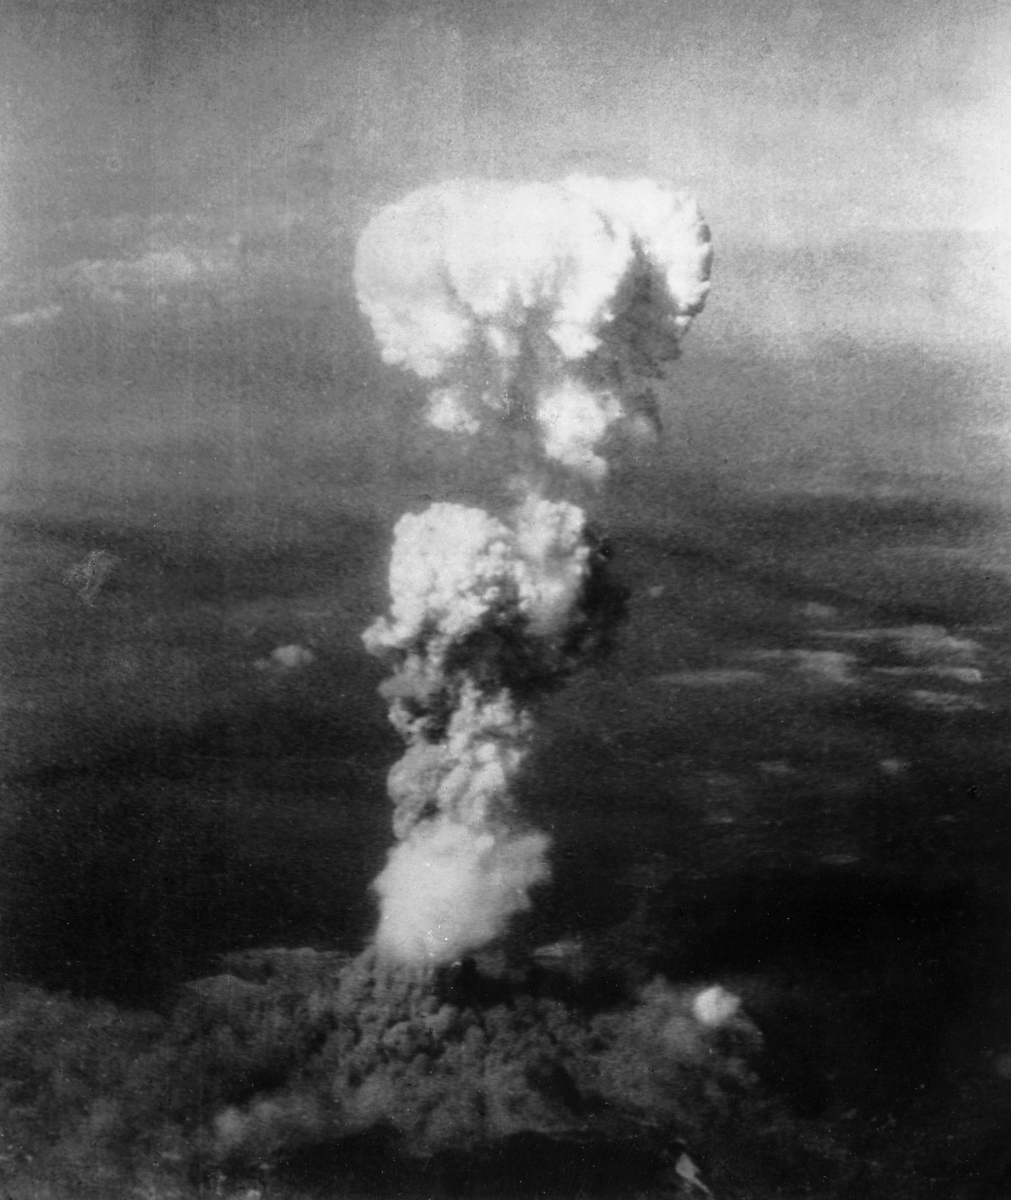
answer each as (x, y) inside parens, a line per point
(544, 315)
(558, 304)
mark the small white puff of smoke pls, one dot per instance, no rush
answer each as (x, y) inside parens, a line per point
(535, 301)
(715, 1006)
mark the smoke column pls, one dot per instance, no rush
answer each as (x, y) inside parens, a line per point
(541, 316)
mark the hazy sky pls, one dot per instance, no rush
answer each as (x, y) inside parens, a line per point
(790, 121)
(178, 159)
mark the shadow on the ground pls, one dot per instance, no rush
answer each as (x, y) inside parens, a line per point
(866, 985)
(122, 883)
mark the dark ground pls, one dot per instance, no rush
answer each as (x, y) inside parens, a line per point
(791, 777)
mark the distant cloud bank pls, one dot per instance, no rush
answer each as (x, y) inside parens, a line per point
(167, 260)
(34, 316)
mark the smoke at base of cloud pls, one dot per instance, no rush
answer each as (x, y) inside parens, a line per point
(448, 889)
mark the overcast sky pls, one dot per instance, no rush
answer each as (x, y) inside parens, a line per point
(157, 156)
(790, 121)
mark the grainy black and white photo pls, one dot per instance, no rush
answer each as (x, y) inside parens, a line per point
(506, 595)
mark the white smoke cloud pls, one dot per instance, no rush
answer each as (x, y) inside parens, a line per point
(464, 587)
(454, 567)
(479, 606)
(535, 299)
(573, 420)
(547, 308)
(449, 888)
(669, 230)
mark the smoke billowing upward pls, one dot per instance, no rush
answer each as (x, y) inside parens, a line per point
(543, 314)
(554, 304)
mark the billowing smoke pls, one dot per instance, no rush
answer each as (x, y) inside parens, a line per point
(548, 312)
